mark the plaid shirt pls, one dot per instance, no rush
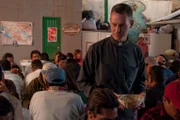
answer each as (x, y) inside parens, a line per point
(156, 113)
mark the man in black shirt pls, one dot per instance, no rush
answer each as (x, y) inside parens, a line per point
(115, 62)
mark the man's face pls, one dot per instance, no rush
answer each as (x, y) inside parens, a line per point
(36, 57)
(108, 114)
(161, 60)
(78, 56)
(120, 24)
(170, 108)
(11, 60)
(62, 64)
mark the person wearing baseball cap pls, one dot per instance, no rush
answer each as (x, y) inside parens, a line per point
(37, 84)
(170, 108)
(55, 103)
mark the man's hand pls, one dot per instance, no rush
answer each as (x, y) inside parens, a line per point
(121, 106)
(3, 87)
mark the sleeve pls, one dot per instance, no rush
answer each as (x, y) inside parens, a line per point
(18, 112)
(12, 89)
(30, 90)
(86, 78)
(139, 85)
(146, 116)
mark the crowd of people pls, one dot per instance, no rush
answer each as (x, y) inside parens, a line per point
(72, 88)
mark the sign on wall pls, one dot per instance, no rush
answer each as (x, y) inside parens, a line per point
(71, 29)
(52, 34)
(16, 33)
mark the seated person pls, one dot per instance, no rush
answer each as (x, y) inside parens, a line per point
(16, 79)
(78, 56)
(6, 109)
(56, 58)
(156, 82)
(7, 85)
(170, 108)
(55, 103)
(16, 105)
(72, 71)
(155, 93)
(62, 61)
(38, 84)
(16, 70)
(175, 67)
(102, 105)
(35, 54)
(45, 58)
(36, 68)
(9, 57)
(162, 62)
(69, 56)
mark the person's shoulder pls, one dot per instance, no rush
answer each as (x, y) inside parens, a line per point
(152, 114)
(39, 94)
(101, 42)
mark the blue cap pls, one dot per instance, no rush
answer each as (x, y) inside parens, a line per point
(55, 75)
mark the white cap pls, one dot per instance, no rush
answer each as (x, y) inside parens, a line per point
(48, 65)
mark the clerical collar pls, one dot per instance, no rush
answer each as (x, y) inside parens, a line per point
(117, 42)
(57, 88)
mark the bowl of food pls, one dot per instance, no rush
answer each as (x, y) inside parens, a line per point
(131, 100)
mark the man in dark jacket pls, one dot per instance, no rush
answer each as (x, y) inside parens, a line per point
(115, 62)
(38, 84)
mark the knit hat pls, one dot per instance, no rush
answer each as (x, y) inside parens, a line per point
(172, 92)
(55, 75)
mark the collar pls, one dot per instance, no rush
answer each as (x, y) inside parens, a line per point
(117, 43)
(57, 88)
(162, 111)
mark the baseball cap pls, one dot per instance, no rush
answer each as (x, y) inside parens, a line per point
(55, 75)
(48, 65)
(172, 92)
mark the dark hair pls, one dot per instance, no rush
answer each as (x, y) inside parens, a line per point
(45, 56)
(6, 55)
(6, 65)
(175, 66)
(101, 98)
(122, 8)
(69, 56)
(77, 51)
(5, 106)
(16, 66)
(59, 53)
(35, 52)
(37, 64)
(61, 57)
(157, 74)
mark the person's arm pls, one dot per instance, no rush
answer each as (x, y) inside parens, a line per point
(30, 90)
(139, 85)
(12, 88)
(86, 78)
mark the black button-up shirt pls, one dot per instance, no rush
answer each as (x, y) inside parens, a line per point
(119, 66)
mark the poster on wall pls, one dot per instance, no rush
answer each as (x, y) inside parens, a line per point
(16, 33)
(52, 34)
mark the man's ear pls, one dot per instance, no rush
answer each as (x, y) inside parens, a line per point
(90, 115)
